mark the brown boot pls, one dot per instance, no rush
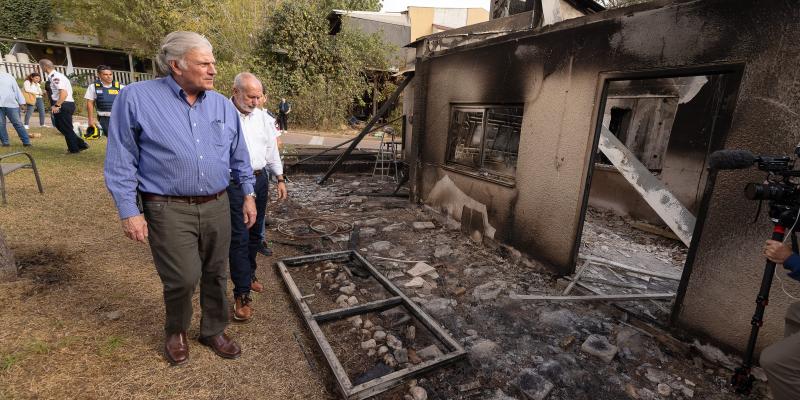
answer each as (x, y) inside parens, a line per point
(242, 311)
(222, 345)
(256, 286)
(176, 348)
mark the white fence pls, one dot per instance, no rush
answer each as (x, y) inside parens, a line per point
(81, 76)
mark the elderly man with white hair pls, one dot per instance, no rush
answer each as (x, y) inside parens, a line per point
(265, 159)
(176, 144)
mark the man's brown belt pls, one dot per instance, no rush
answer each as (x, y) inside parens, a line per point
(182, 199)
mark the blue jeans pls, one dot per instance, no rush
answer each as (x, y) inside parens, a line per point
(13, 116)
(246, 242)
(39, 107)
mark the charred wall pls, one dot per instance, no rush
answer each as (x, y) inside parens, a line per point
(558, 74)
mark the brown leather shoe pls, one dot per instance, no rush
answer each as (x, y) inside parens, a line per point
(176, 348)
(242, 311)
(256, 286)
(222, 345)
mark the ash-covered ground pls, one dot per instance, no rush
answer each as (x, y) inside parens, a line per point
(516, 349)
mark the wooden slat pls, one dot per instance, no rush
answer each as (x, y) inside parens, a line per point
(603, 297)
(339, 313)
(336, 367)
(615, 264)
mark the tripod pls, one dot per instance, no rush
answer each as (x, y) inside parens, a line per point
(783, 217)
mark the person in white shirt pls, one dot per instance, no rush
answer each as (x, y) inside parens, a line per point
(260, 135)
(63, 106)
(100, 95)
(33, 87)
(11, 99)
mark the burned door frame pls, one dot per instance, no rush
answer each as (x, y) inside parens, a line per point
(732, 74)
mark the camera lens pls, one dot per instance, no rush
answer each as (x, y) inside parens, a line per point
(757, 191)
(754, 191)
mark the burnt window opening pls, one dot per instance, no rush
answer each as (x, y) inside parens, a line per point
(485, 139)
(618, 125)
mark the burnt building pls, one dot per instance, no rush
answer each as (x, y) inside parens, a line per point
(507, 121)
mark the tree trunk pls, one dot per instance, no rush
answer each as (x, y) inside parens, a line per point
(8, 267)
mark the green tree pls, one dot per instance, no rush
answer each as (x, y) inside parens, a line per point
(323, 74)
(25, 18)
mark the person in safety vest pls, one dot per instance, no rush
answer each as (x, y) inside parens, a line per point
(100, 95)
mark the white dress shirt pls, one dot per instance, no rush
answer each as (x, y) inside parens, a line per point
(261, 137)
(60, 82)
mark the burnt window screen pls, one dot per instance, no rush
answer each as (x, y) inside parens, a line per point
(485, 138)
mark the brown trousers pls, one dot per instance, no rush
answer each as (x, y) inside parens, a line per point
(190, 243)
(781, 360)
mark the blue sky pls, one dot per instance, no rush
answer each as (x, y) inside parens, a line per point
(400, 5)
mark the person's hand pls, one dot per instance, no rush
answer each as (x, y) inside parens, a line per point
(282, 193)
(249, 211)
(777, 252)
(55, 109)
(135, 228)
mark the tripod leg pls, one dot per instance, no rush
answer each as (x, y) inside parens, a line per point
(742, 379)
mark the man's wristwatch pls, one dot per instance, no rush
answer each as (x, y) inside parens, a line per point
(251, 194)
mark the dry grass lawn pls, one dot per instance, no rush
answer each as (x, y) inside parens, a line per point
(56, 339)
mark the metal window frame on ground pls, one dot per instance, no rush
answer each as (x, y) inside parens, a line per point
(312, 320)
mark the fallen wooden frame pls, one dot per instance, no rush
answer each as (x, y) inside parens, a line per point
(312, 320)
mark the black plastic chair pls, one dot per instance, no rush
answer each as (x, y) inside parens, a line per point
(7, 168)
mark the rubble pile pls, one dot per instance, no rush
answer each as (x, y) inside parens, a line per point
(517, 349)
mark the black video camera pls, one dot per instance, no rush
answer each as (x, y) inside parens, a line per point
(779, 188)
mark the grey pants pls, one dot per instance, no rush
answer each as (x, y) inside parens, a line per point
(190, 243)
(781, 360)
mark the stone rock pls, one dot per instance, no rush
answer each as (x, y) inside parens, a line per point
(429, 353)
(415, 283)
(368, 344)
(459, 291)
(664, 389)
(472, 332)
(442, 251)
(348, 290)
(655, 375)
(488, 291)
(379, 336)
(439, 307)
(395, 274)
(393, 342)
(599, 346)
(367, 232)
(356, 321)
(401, 355)
(714, 355)
(483, 351)
(393, 227)
(382, 350)
(413, 357)
(352, 300)
(381, 246)
(341, 277)
(372, 222)
(318, 285)
(114, 315)
(533, 385)
(411, 332)
(418, 393)
(501, 395)
(389, 360)
(342, 300)
(371, 352)
(420, 269)
(422, 225)
(368, 324)
(560, 319)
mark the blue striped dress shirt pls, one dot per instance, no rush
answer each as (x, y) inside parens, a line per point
(160, 144)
